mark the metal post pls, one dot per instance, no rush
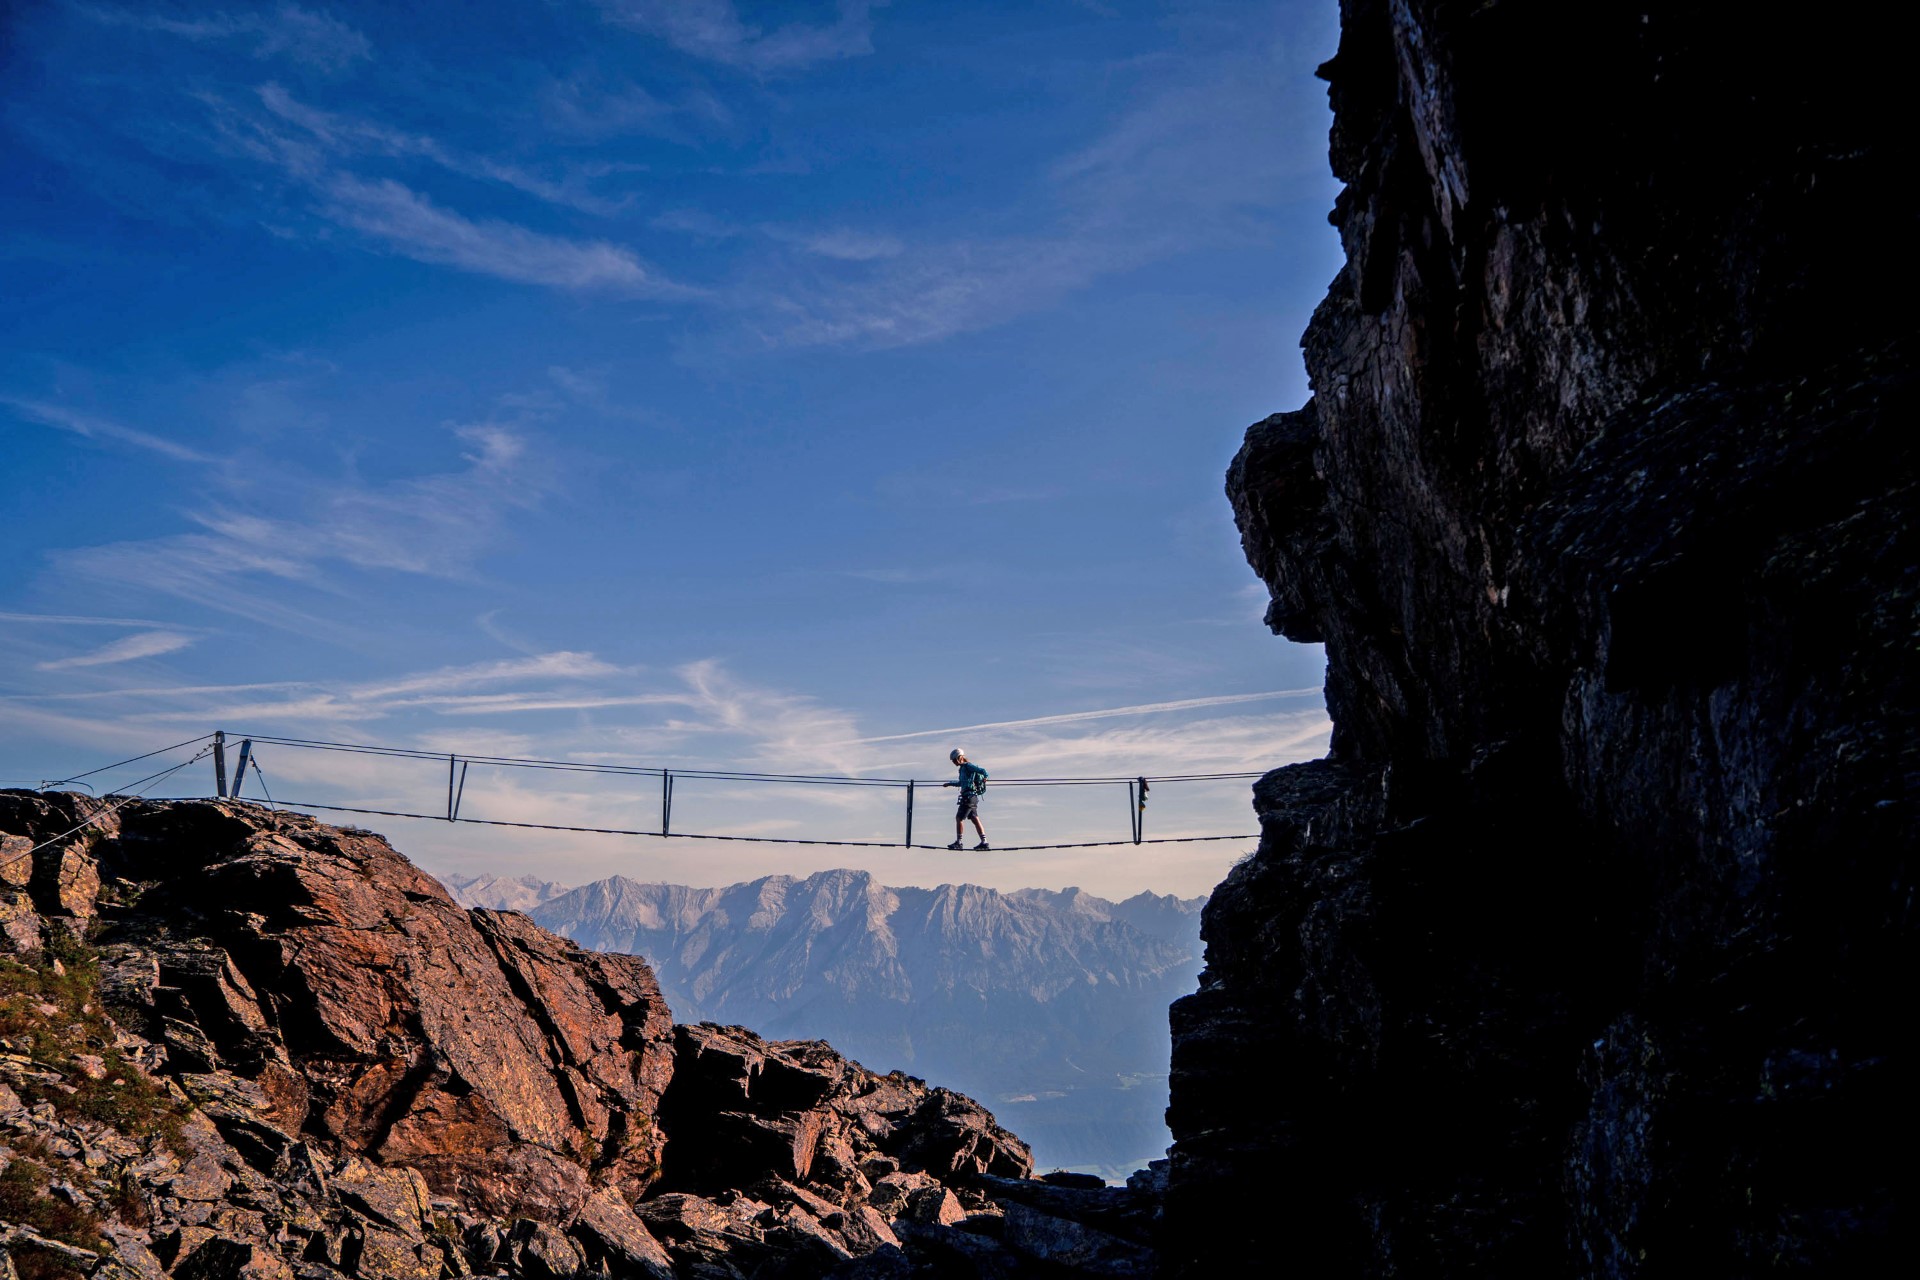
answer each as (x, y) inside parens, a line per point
(1133, 812)
(450, 763)
(240, 768)
(666, 802)
(460, 791)
(220, 763)
(909, 840)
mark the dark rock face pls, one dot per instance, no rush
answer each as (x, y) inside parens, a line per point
(241, 1044)
(1584, 951)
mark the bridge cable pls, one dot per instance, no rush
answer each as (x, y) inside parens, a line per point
(131, 760)
(124, 800)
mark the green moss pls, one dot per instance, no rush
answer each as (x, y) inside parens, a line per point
(66, 979)
(25, 1199)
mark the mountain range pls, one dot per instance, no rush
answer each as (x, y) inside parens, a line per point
(503, 893)
(1051, 1006)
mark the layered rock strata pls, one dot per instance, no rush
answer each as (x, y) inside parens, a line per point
(242, 1044)
(1584, 951)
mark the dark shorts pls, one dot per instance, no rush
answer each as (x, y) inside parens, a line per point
(969, 806)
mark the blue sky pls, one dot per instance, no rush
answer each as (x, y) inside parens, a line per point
(704, 383)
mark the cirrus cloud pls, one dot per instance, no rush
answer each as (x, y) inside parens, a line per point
(144, 644)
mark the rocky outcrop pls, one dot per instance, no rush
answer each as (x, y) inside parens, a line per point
(1579, 953)
(1046, 1004)
(242, 1044)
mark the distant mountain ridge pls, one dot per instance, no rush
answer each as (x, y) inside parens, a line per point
(1049, 1004)
(501, 893)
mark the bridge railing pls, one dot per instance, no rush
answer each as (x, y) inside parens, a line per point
(712, 804)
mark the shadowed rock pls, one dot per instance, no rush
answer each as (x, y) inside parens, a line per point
(1578, 955)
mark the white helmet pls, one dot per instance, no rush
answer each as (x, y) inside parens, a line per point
(957, 754)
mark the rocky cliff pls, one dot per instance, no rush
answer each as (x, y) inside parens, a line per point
(1047, 1005)
(1584, 952)
(235, 1043)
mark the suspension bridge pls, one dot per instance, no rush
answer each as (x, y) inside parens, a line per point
(637, 789)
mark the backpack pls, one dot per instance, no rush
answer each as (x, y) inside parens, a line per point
(979, 777)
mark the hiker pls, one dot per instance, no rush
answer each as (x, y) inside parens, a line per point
(972, 781)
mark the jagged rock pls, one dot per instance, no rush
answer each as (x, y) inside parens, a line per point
(932, 1206)
(394, 1198)
(951, 1135)
(204, 990)
(697, 1232)
(19, 920)
(740, 1105)
(65, 882)
(219, 1258)
(895, 974)
(615, 1236)
(362, 1078)
(544, 1252)
(19, 925)
(17, 1237)
(1064, 1242)
(889, 1262)
(963, 1253)
(375, 1251)
(132, 1258)
(865, 1229)
(16, 862)
(521, 1036)
(1603, 507)
(263, 1146)
(1129, 1214)
(804, 1245)
(201, 1178)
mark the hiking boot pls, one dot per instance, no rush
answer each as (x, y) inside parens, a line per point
(982, 845)
(954, 845)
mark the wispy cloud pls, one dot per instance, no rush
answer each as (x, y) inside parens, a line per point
(696, 222)
(929, 292)
(1106, 713)
(1202, 158)
(434, 526)
(785, 728)
(559, 665)
(417, 228)
(587, 106)
(79, 620)
(159, 692)
(145, 644)
(304, 35)
(840, 243)
(352, 136)
(713, 30)
(320, 152)
(95, 428)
